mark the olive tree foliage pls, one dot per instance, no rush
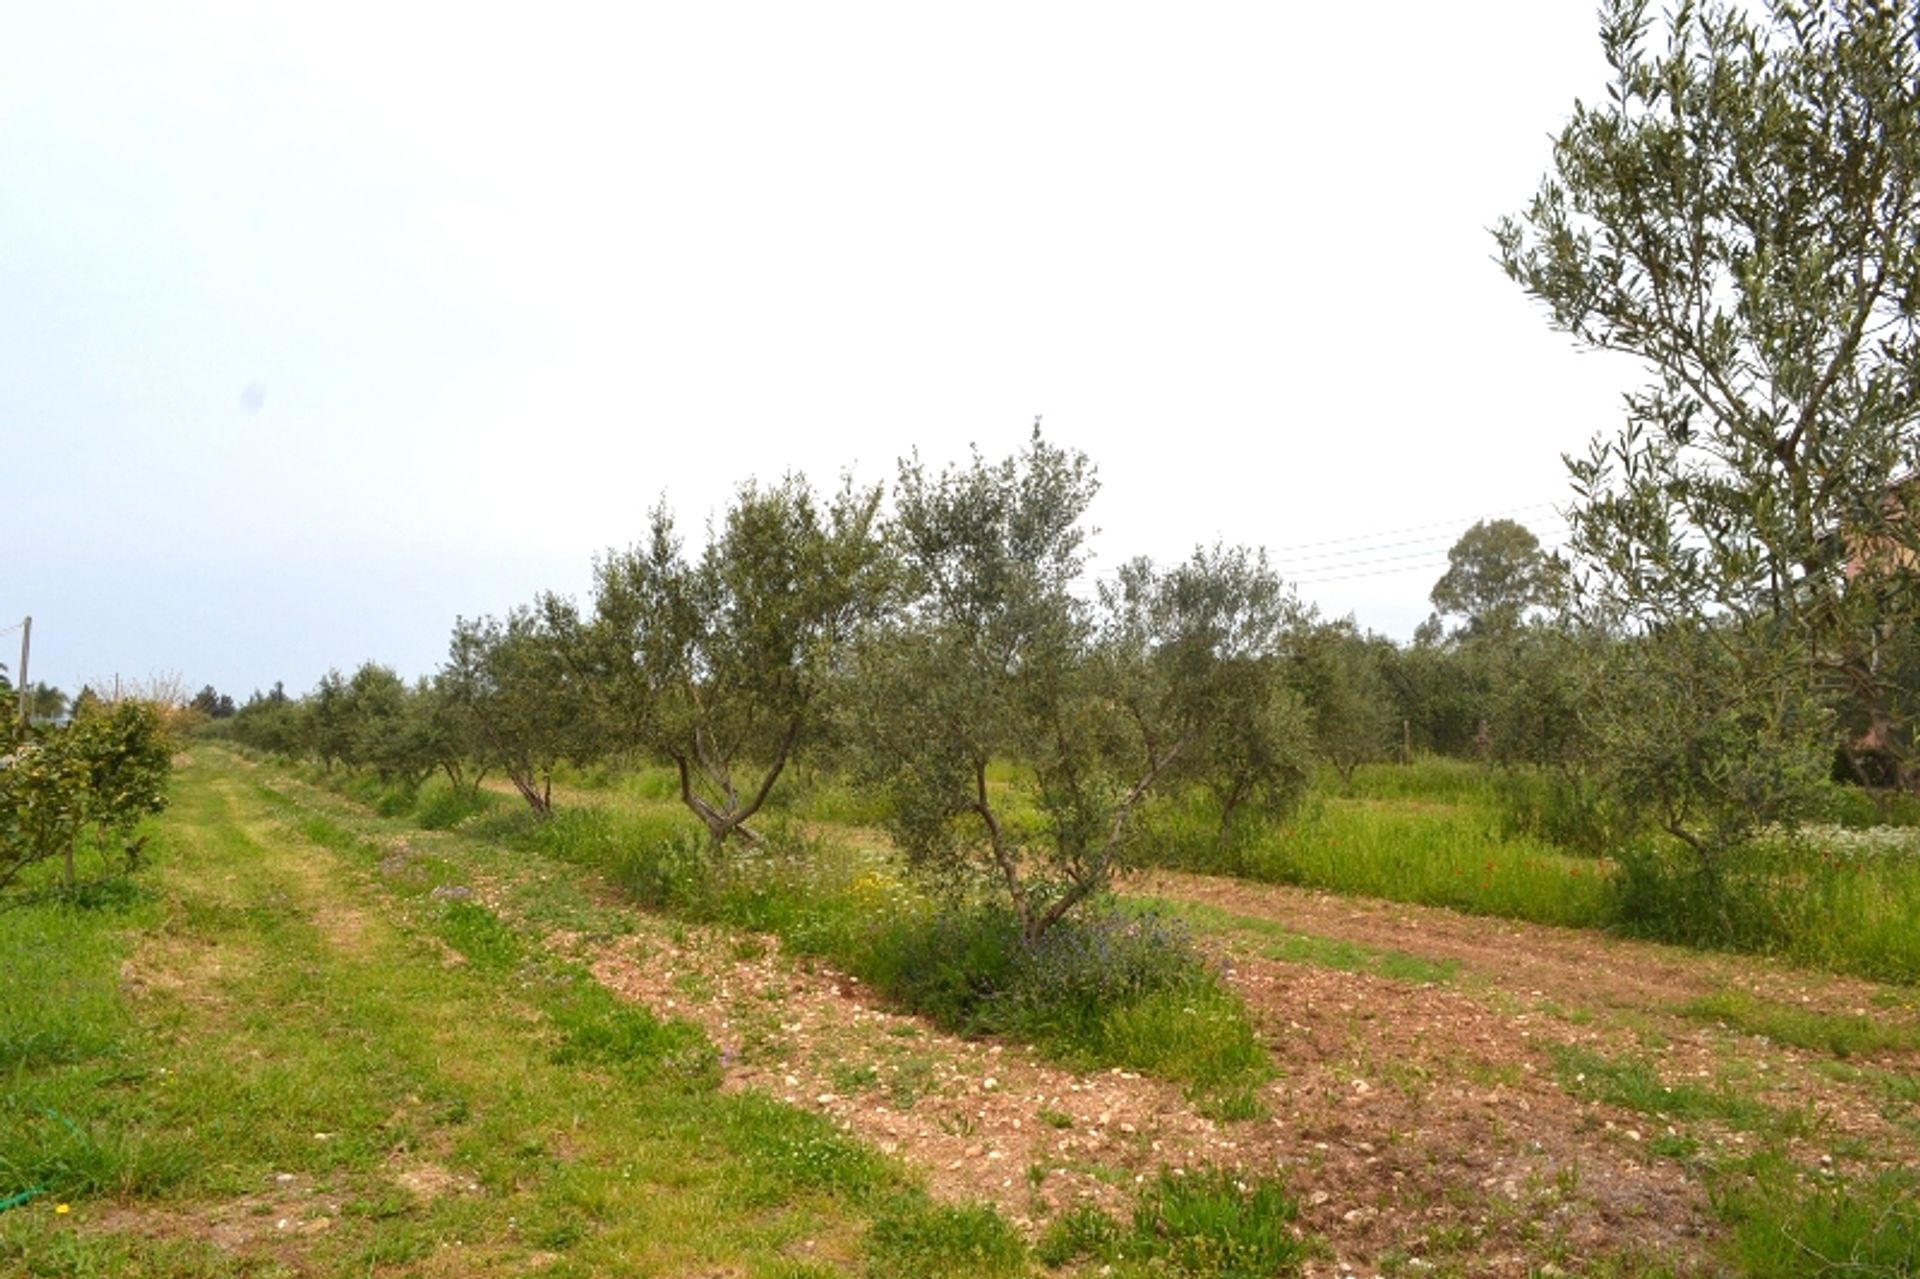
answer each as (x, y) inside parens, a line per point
(715, 664)
(1742, 214)
(271, 722)
(1195, 653)
(99, 774)
(1440, 692)
(1017, 727)
(326, 723)
(507, 698)
(383, 726)
(1337, 671)
(1696, 732)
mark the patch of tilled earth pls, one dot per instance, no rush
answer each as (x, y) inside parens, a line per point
(1480, 1086)
(1574, 965)
(1438, 1127)
(1409, 1120)
(983, 1120)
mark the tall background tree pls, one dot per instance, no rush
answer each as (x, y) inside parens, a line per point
(1496, 576)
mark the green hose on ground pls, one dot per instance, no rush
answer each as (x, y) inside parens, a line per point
(14, 1201)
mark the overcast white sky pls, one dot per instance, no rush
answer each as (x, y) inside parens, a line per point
(320, 325)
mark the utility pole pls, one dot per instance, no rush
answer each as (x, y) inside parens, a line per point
(26, 642)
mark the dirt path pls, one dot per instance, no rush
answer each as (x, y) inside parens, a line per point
(1577, 965)
(1450, 1124)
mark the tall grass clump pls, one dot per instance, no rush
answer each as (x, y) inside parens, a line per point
(444, 806)
(1201, 1222)
(66, 1037)
(1827, 896)
(1865, 1229)
(1442, 855)
(1430, 779)
(1099, 989)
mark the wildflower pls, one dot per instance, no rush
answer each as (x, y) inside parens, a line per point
(62, 1209)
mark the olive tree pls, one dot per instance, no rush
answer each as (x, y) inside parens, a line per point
(1741, 213)
(507, 698)
(326, 723)
(1195, 653)
(1337, 670)
(383, 727)
(1018, 726)
(716, 663)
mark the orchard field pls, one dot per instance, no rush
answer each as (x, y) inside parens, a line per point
(315, 1039)
(870, 880)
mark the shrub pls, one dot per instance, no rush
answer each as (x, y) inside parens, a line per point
(1104, 990)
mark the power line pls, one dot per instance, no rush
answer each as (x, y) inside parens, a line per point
(1434, 539)
(1370, 560)
(1360, 554)
(1465, 521)
(1428, 566)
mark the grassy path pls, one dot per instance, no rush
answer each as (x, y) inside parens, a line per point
(271, 1058)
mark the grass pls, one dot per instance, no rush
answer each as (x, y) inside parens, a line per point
(1471, 838)
(1208, 1222)
(1276, 941)
(1438, 832)
(1783, 1229)
(1097, 992)
(1636, 1085)
(276, 1029)
(302, 988)
(1828, 898)
(1842, 1036)
(1387, 840)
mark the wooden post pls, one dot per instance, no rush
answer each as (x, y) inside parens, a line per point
(26, 643)
(1406, 740)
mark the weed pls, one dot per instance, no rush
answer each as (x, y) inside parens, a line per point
(851, 1079)
(1869, 1229)
(911, 1080)
(1082, 1233)
(1636, 1085)
(1843, 1036)
(1206, 1221)
(913, 1237)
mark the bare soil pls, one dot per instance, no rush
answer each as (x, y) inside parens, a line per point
(1425, 1128)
